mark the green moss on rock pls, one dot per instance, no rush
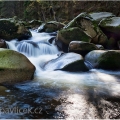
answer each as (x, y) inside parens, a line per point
(14, 67)
(71, 34)
(13, 29)
(104, 59)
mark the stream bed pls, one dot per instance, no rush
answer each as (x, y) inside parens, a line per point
(58, 94)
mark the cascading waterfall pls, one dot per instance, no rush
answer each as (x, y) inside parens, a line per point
(74, 86)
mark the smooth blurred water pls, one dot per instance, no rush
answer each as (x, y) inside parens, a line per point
(56, 94)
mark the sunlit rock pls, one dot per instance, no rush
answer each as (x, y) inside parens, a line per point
(90, 27)
(98, 16)
(81, 47)
(67, 62)
(104, 59)
(13, 29)
(14, 67)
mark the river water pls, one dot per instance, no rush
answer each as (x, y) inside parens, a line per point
(56, 94)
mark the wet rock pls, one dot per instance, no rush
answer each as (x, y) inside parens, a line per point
(14, 67)
(13, 29)
(51, 26)
(100, 47)
(67, 62)
(81, 47)
(102, 59)
(34, 23)
(65, 36)
(3, 44)
(111, 27)
(98, 16)
(90, 27)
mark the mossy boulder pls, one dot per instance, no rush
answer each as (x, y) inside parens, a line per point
(98, 16)
(81, 47)
(13, 29)
(111, 27)
(90, 27)
(65, 36)
(67, 62)
(14, 67)
(3, 44)
(51, 26)
(34, 23)
(102, 59)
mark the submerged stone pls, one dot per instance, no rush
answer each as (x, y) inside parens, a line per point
(67, 62)
(14, 67)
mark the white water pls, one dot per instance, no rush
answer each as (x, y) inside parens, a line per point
(45, 51)
(104, 82)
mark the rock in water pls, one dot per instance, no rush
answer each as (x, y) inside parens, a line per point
(3, 44)
(102, 59)
(100, 47)
(81, 47)
(13, 29)
(67, 62)
(34, 23)
(65, 36)
(90, 27)
(51, 26)
(14, 67)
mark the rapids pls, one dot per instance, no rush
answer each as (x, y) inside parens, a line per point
(59, 94)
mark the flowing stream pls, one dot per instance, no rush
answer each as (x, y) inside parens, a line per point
(57, 94)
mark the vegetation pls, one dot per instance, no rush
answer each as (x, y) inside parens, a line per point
(62, 11)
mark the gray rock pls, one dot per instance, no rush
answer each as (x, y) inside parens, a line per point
(67, 62)
(98, 16)
(104, 59)
(90, 27)
(13, 29)
(51, 26)
(111, 27)
(81, 47)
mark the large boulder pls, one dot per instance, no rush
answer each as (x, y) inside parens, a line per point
(13, 29)
(14, 67)
(111, 27)
(51, 26)
(81, 47)
(3, 44)
(65, 36)
(67, 62)
(98, 16)
(104, 59)
(90, 27)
